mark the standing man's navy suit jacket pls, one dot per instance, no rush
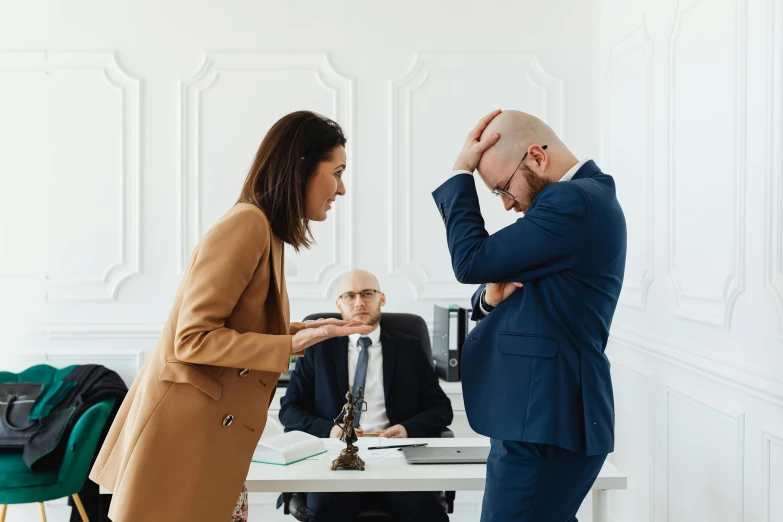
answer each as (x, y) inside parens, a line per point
(414, 398)
(534, 369)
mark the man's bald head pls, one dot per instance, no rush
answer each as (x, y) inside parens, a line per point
(518, 131)
(357, 280)
(547, 160)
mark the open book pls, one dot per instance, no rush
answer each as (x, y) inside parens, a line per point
(288, 448)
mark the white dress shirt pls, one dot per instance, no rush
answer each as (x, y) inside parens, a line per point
(566, 177)
(375, 418)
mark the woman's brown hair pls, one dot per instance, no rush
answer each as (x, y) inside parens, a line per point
(287, 158)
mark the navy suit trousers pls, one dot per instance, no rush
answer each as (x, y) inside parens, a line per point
(529, 482)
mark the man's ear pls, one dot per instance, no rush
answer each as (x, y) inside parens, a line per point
(536, 152)
(383, 299)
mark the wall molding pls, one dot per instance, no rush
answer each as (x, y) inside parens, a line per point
(190, 229)
(773, 261)
(86, 331)
(126, 363)
(135, 357)
(739, 421)
(768, 439)
(702, 309)
(45, 287)
(634, 294)
(648, 378)
(745, 378)
(400, 91)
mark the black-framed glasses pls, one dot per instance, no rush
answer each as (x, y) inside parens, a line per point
(366, 295)
(504, 191)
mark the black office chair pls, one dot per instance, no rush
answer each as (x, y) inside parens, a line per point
(409, 324)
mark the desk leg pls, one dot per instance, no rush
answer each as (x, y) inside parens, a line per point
(600, 506)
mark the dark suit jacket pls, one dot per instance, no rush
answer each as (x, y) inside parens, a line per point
(316, 391)
(534, 370)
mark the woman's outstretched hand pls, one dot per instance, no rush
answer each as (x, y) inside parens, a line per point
(323, 322)
(322, 329)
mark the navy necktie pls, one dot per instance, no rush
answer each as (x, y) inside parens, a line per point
(360, 376)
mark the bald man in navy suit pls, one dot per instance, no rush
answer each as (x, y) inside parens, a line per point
(401, 391)
(534, 373)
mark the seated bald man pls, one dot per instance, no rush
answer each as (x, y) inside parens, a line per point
(535, 377)
(404, 398)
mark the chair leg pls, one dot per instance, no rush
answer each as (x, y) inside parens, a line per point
(2, 513)
(41, 511)
(80, 507)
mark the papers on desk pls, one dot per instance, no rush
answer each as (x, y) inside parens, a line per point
(296, 446)
(288, 448)
(335, 446)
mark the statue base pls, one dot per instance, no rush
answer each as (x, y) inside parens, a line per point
(348, 459)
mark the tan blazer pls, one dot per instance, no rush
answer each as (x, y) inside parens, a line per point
(181, 444)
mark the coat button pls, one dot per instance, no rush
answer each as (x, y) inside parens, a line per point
(228, 420)
(244, 372)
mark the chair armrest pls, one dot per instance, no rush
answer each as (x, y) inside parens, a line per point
(450, 501)
(83, 444)
(284, 500)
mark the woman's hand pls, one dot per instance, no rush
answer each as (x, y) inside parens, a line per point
(323, 322)
(311, 335)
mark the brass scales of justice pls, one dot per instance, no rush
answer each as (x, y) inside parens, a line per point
(349, 457)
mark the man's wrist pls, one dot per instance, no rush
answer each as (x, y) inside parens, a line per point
(485, 306)
(461, 171)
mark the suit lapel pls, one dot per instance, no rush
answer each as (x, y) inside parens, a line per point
(389, 362)
(341, 364)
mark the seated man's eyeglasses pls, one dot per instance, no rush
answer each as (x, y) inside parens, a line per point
(366, 295)
(504, 191)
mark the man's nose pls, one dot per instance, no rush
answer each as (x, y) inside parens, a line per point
(508, 203)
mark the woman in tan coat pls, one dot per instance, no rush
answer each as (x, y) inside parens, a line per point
(181, 444)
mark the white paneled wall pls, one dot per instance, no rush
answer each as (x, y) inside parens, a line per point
(127, 129)
(691, 95)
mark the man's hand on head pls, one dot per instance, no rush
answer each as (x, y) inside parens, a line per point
(474, 146)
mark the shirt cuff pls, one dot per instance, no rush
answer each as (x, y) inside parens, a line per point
(481, 306)
(461, 172)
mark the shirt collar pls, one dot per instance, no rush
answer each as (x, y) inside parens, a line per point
(573, 170)
(375, 337)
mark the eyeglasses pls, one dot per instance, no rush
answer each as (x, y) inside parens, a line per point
(366, 295)
(504, 191)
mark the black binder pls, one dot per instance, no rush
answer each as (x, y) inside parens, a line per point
(450, 328)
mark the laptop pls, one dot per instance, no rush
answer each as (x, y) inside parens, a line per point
(454, 455)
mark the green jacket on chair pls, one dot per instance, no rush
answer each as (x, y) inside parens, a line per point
(19, 485)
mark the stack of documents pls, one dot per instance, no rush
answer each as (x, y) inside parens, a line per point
(288, 448)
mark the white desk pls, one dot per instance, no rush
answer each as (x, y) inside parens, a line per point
(394, 474)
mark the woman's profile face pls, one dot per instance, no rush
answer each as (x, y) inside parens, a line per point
(325, 185)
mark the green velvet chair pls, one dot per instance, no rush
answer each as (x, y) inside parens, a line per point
(18, 485)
